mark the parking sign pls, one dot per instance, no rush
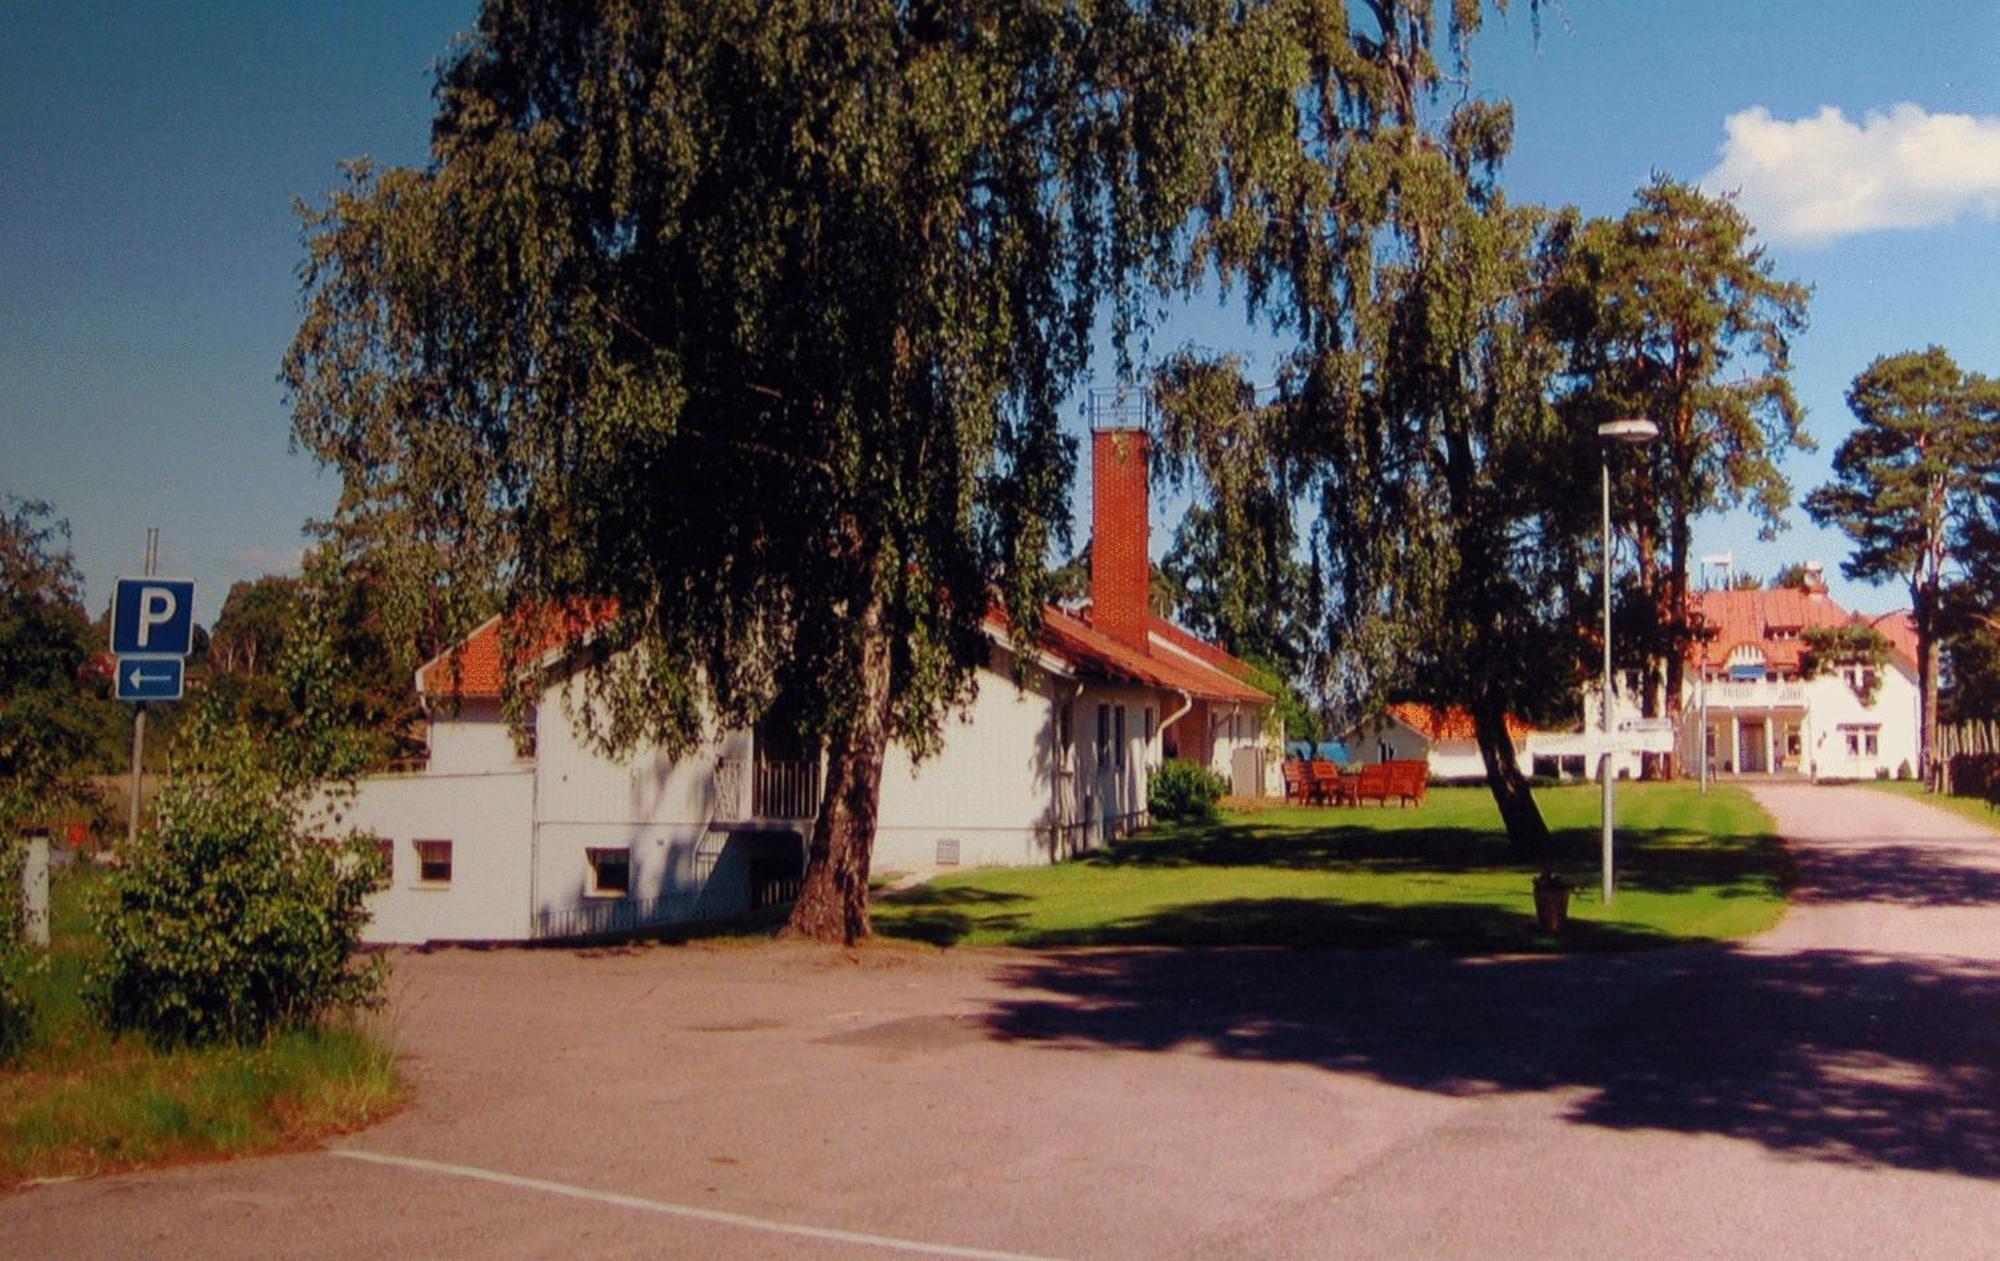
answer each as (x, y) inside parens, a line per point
(153, 617)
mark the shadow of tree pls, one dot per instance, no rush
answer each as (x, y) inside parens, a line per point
(1827, 1055)
(1915, 873)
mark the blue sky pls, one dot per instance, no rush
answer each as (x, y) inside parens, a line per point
(148, 249)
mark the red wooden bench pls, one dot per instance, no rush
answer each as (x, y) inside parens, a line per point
(1405, 781)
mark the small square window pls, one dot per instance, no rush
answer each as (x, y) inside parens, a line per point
(433, 862)
(610, 872)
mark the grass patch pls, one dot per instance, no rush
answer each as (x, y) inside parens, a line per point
(1692, 867)
(1972, 808)
(82, 1102)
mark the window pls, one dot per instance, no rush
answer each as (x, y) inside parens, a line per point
(1151, 730)
(1861, 741)
(1103, 736)
(433, 862)
(1065, 727)
(387, 850)
(610, 872)
(1119, 735)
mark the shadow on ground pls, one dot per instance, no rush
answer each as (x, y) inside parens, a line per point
(1826, 1055)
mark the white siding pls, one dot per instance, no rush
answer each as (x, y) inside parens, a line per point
(487, 819)
(470, 740)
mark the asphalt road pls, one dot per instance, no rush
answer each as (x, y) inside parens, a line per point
(1829, 1090)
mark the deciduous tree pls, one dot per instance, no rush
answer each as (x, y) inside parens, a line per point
(752, 318)
(1674, 313)
(1912, 485)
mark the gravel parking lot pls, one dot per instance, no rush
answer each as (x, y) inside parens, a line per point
(1828, 1090)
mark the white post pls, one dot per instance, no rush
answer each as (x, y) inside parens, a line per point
(35, 892)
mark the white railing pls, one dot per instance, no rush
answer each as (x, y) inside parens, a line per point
(1763, 695)
(777, 790)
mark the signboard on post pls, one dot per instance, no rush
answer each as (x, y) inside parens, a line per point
(152, 617)
(149, 678)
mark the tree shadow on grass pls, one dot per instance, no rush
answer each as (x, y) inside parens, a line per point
(1828, 1055)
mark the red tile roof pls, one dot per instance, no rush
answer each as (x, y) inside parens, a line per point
(1774, 622)
(1215, 677)
(1438, 724)
(474, 667)
(1093, 652)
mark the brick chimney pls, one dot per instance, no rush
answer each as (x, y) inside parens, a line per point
(1120, 570)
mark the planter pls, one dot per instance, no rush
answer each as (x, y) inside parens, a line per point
(1551, 903)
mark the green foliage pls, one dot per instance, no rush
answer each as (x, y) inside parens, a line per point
(1854, 645)
(757, 324)
(45, 729)
(1414, 412)
(238, 914)
(17, 1009)
(1182, 790)
(1913, 485)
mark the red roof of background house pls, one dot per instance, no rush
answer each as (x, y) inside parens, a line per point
(474, 667)
(480, 669)
(1094, 652)
(1440, 723)
(1900, 629)
(1775, 621)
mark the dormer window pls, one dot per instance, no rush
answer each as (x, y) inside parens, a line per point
(1747, 664)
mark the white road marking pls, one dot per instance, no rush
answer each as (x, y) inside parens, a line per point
(645, 1205)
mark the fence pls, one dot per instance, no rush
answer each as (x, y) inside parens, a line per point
(1967, 761)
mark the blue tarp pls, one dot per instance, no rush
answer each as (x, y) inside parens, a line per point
(1326, 751)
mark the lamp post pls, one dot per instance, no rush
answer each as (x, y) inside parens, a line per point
(1632, 432)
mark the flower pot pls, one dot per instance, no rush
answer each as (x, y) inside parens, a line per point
(1551, 903)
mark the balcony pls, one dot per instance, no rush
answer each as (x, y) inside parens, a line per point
(762, 789)
(1757, 695)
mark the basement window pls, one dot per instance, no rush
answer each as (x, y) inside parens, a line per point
(610, 872)
(433, 863)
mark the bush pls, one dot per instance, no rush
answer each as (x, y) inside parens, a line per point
(1182, 790)
(17, 1012)
(231, 919)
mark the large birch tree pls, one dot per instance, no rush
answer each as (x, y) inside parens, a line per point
(747, 322)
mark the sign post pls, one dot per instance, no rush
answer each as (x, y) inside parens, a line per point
(152, 629)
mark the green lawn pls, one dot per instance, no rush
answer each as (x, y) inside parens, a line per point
(1692, 867)
(1968, 807)
(82, 1102)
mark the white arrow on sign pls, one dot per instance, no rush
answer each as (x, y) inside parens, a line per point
(137, 680)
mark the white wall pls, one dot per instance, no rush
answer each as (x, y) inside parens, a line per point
(472, 739)
(487, 818)
(1003, 788)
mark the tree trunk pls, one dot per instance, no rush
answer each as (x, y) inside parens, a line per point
(833, 900)
(1675, 589)
(1527, 832)
(1927, 703)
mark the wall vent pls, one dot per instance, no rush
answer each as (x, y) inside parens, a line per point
(947, 853)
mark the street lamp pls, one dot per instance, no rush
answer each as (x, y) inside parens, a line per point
(1632, 432)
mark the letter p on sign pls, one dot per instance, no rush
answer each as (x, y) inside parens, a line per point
(153, 617)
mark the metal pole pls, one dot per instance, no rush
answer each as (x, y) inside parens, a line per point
(1605, 464)
(139, 710)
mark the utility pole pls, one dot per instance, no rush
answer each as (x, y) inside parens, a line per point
(139, 710)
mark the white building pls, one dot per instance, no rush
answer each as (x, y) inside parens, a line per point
(489, 844)
(1443, 736)
(1745, 687)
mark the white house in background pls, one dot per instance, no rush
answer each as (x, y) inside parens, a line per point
(489, 844)
(1443, 736)
(1763, 717)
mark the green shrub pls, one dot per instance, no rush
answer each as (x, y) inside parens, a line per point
(232, 918)
(1182, 790)
(17, 1010)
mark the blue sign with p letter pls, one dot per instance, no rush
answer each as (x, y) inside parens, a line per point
(153, 617)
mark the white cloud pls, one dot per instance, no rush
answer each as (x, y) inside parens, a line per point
(1825, 177)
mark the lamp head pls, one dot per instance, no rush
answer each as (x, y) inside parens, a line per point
(1632, 431)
